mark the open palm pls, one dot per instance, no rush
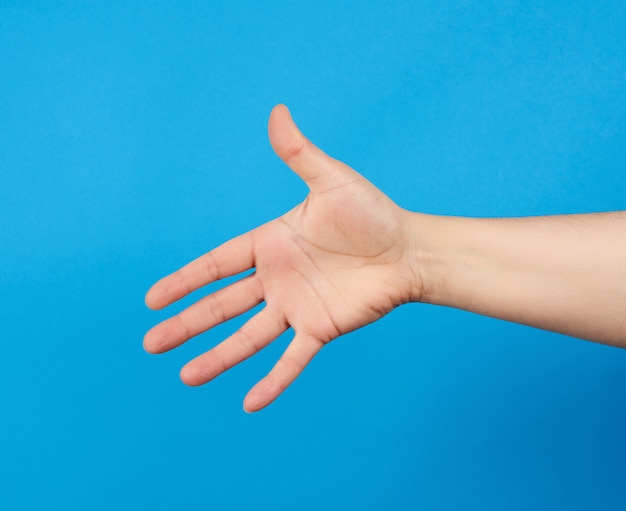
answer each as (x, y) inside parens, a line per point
(337, 261)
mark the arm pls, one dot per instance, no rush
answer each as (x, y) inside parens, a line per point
(348, 255)
(561, 273)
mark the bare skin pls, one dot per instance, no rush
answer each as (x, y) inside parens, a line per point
(348, 255)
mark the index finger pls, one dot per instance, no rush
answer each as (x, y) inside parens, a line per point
(230, 258)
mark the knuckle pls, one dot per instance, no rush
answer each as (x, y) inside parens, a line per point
(213, 269)
(219, 363)
(184, 328)
(274, 384)
(290, 363)
(247, 341)
(295, 151)
(217, 308)
(183, 281)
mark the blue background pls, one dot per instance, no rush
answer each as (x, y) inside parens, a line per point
(133, 139)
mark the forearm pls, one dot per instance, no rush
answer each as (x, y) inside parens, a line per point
(563, 273)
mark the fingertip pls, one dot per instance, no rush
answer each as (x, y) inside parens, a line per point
(154, 297)
(158, 339)
(249, 406)
(285, 137)
(162, 294)
(189, 376)
(163, 337)
(149, 300)
(277, 115)
(279, 110)
(259, 397)
(148, 345)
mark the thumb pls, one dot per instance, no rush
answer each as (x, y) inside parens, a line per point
(318, 170)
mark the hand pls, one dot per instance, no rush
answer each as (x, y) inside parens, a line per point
(336, 262)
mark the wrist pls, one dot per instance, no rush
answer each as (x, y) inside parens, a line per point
(434, 254)
(419, 256)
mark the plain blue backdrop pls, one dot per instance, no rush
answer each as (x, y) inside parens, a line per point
(133, 139)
